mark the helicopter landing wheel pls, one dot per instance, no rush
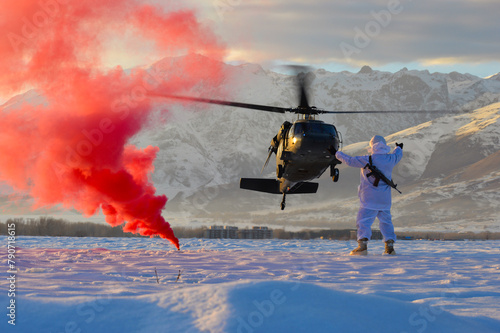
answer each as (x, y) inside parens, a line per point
(283, 202)
(336, 175)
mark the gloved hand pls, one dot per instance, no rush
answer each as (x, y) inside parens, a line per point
(400, 145)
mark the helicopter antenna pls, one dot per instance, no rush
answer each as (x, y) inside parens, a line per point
(267, 160)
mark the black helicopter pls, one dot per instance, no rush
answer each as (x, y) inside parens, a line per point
(304, 149)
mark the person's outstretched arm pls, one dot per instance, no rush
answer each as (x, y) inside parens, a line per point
(352, 161)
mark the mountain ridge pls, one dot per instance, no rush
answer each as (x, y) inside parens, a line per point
(204, 150)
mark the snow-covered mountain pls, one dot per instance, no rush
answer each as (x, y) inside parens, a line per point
(449, 177)
(204, 150)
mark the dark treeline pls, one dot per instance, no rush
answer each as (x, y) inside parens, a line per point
(349, 234)
(436, 235)
(344, 234)
(49, 226)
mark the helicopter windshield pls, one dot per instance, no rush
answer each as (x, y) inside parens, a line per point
(313, 128)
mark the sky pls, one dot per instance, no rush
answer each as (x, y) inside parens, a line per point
(388, 35)
(441, 36)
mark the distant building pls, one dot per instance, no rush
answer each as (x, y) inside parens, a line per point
(256, 233)
(219, 231)
(216, 231)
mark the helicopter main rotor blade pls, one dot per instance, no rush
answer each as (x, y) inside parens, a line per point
(298, 110)
(303, 84)
(387, 111)
(304, 103)
(267, 108)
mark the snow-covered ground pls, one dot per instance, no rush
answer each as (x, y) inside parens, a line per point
(110, 285)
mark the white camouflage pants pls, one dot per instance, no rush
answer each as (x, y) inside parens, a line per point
(365, 220)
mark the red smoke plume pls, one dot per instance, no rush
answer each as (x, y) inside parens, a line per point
(73, 149)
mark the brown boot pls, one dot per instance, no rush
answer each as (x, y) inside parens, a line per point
(362, 249)
(389, 247)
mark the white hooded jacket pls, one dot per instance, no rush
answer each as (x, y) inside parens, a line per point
(371, 197)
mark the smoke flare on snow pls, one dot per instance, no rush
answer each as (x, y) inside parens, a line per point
(73, 149)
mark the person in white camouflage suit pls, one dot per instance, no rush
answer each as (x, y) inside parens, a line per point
(375, 201)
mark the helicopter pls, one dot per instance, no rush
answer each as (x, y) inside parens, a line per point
(304, 149)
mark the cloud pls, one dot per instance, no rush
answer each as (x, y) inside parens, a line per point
(374, 32)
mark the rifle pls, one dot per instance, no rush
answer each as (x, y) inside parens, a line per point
(379, 175)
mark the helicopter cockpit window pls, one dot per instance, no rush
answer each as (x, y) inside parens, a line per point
(299, 129)
(313, 128)
(328, 129)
